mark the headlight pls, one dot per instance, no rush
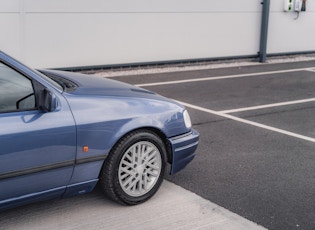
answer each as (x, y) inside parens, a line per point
(187, 119)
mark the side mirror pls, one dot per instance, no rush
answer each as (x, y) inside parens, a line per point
(47, 101)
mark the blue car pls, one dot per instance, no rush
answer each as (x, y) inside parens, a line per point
(61, 133)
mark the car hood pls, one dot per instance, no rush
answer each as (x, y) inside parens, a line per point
(82, 84)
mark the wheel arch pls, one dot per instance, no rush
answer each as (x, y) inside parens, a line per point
(154, 130)
(112, 178)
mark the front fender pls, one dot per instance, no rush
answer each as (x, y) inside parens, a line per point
(102, 121)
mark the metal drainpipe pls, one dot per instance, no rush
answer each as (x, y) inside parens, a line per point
(264, 31)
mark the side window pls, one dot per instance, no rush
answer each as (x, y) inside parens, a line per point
(16, 90)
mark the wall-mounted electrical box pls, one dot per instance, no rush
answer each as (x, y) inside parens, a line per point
(298, 5)
(288, 5)
(294, 5)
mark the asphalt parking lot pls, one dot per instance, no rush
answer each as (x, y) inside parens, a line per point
(256, 155)
(255, 158)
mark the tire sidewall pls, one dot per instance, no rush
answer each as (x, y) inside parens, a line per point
(119, 153)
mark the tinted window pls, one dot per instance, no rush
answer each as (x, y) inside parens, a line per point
(16, 91)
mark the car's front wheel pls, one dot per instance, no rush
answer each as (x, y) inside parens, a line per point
(134, 169)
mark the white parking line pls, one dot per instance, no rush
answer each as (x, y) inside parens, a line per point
(224, 77)
(225, 114)
(268, 106)
(249, 122)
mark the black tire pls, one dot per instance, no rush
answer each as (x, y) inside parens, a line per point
(134, 169)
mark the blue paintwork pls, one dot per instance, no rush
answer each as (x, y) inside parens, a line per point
(96, 114)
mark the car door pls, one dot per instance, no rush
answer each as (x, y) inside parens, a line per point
(37, 148)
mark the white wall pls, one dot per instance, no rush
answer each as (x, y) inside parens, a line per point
(70, 33)
(287, 34)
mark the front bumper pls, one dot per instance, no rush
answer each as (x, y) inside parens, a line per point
(183, 150)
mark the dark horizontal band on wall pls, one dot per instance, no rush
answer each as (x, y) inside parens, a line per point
(254, 58)
(155, 63)
(291, 53)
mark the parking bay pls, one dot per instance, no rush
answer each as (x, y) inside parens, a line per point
(255, 157)
(256, 152)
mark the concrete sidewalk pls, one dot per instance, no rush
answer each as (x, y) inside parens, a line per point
(171, 208)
